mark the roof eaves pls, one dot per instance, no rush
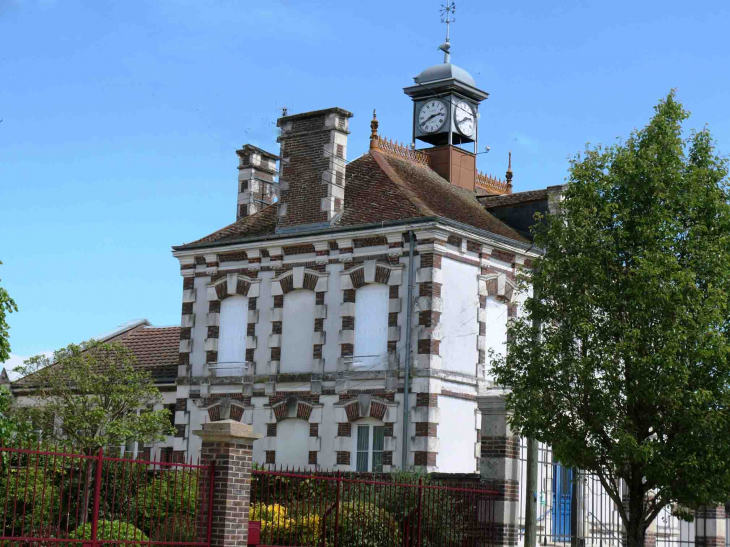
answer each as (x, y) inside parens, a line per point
(332, 230)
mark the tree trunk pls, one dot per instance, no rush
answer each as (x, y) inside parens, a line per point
(635, 528)
(87, 491)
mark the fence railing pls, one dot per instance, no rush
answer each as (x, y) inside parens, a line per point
(573, 508)
(51, 496)
(332, 510)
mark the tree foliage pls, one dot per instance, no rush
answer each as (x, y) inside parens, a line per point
(90, 394)
(7, 306)
(11, 425)
(629, 377)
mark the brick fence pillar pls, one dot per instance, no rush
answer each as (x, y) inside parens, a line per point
(500, 466)
(710, 526)
(228, 444)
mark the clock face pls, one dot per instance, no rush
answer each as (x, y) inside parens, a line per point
(464, 116)
(432, 116)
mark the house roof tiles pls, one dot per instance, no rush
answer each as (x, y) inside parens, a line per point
(382, 188)
(156, 349)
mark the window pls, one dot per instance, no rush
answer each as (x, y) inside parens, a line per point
(292, 443)
(232, 336)
(171, 410)
(459, 317)
(370, 440)
(371, 327)
(297, 331)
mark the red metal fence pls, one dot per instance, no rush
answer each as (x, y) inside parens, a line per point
(49, 496)
(341, 511)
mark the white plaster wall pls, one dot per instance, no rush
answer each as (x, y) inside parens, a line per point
(496, 330)
(333, 321)
(197, 419)
(259, 426)
(200, 329)
(371, 327)
(264, 303)
(297, 331)
(403, 295)
(232, 336)
(459, 323)
(327, 459)
(292, 443)
(457, 433)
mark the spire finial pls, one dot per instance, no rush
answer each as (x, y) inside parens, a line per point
(374, 131)
(448, 10)
(509, 173)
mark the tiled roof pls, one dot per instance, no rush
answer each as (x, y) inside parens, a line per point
(381, 188)
(156, 349)
(512, 199)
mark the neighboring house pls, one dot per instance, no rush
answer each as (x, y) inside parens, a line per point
(156, 350)
(297, 318)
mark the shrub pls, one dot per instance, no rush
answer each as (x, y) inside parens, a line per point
(110, 530)
(364, 524)
(275, 522)
(169, 494)
(175, 528)
(31, 493)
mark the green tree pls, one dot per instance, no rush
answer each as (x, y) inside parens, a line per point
(629, 377)
(92, 396)
(7, 306)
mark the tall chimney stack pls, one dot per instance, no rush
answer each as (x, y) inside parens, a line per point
(313, 160)
(257, 186)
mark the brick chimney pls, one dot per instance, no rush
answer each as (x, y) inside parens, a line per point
(257, 186)
(313, 160)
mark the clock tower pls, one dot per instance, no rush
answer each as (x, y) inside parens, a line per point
(446, 113)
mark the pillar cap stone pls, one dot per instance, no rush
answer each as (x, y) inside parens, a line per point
(493, 402)
(227, 430)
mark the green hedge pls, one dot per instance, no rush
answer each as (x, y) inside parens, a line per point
(111, 530)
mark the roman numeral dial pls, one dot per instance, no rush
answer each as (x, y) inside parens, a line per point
(432, 116)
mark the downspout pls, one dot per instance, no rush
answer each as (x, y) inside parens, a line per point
(407, 380)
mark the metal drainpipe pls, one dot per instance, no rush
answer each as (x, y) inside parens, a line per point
(407, 381)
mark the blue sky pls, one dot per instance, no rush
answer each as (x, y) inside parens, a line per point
(120, 120)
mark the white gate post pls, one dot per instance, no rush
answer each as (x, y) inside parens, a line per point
(500, 467)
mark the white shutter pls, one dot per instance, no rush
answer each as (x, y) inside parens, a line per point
(232, 336)
(371, 327)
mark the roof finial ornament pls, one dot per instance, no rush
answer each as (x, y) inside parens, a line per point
(374, 131)
(509, 173)
(448, 11)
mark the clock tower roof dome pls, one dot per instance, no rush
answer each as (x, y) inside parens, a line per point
(445, 71)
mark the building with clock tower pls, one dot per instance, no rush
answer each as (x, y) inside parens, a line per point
(349, 309)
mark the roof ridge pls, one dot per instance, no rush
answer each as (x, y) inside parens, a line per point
(394, 148)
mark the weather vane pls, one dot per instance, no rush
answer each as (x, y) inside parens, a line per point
(448, 11)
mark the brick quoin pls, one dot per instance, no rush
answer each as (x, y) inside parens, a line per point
(424, 459)
(425, 429)
(500, 447)
(344, 430)
(427, 399)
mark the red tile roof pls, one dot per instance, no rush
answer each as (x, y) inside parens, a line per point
(382, 188)
(156, 349)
